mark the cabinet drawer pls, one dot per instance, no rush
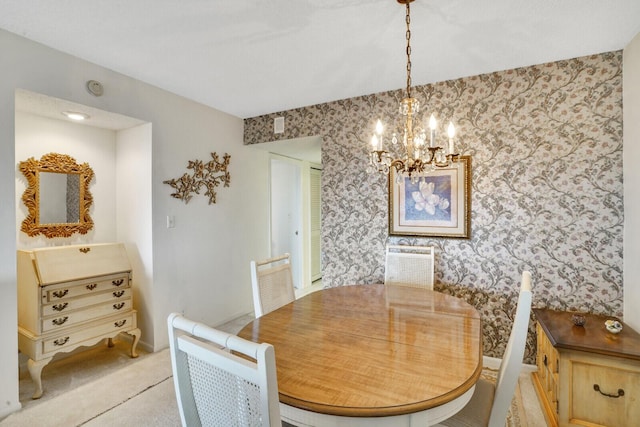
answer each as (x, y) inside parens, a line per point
(54, 293)
(74, 337)
(59, 307)
(603, 395)
(71, 318)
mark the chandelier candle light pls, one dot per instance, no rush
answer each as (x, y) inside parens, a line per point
(419, 157)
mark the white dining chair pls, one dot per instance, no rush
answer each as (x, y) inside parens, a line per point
(407, 265)
(272, 284)
(490, 403)
(214, 385)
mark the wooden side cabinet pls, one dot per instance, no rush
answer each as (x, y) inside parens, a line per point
(586, 375)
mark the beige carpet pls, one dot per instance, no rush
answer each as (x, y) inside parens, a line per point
(68, 371)
(515, 417)
(140, 394)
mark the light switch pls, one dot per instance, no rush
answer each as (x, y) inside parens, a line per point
(171, 221)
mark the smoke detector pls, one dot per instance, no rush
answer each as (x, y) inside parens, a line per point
(95, 88)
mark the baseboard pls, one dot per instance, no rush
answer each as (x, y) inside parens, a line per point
(144, 345)
(8, 410)
(232, 318)
(550, 416)
(494, 363)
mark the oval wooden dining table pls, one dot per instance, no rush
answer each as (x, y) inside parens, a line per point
(372, 355)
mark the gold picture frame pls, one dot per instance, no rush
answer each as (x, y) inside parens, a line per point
(76, 201)
(437, 204)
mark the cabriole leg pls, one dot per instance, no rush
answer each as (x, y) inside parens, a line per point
(136, 337)
(35, 370)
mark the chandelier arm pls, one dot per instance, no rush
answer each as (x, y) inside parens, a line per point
(432, 153)
(398, 164)
(418, 166)
(451, 158)
(378, 155)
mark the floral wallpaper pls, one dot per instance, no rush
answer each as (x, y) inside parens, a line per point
(546, 149)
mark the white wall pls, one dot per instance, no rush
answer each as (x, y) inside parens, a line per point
(8, 309)
(201, 266)
(631, 176)
(134, 216)
(36, 136)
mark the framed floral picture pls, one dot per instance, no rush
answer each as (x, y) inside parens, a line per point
(437, 204)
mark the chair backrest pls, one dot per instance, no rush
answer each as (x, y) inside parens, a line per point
(272, 284)
(511, 364)
(409, 266)
(214, 385)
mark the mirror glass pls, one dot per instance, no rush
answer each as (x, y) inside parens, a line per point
(57, 197)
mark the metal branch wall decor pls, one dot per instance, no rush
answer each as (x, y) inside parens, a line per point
(208, 175)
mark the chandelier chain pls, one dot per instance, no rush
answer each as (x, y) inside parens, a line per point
(408, 35)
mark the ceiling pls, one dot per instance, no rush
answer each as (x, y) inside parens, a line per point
(253, 57)
(47, 106)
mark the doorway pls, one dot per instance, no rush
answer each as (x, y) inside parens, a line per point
(286, 213)
(295, 180)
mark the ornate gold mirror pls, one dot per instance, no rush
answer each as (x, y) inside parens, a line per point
(57, 196)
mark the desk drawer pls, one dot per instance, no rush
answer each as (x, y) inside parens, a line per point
(603, 395)
(71, 318)
(55, 293)
(73, 337)
(60, 307)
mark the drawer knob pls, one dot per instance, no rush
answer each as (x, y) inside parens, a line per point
(61, 341)
(60, 321)
(118, 306)
(117, 282)
(120, 323)
(85, 250)
(60, 307)
(60, 294)
(596, 387)
(118, 294)
(92, 286)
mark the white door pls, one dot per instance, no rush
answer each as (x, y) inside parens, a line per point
(286, 214)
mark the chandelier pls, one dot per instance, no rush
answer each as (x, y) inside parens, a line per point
(420, 156)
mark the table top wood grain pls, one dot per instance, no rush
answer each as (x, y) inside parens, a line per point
(372, 350)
